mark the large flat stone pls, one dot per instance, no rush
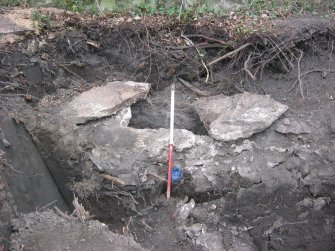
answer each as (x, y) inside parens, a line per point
(130, 153)
(104, 101)
(239, 116)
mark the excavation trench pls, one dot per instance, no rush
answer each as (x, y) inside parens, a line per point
(270, 190)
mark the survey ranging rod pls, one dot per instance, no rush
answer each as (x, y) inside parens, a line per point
(169, 181)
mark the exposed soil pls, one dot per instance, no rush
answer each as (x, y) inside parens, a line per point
(290, 208)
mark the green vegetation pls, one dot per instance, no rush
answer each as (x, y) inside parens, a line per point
(273, 8)
(79, 6)
(41, 21)
(165, 7)
(24, 3)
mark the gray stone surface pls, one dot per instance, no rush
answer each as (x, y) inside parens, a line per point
(103, 101)
(292, 126)
(27, 168)
(239, 116)
(211, 241)
(130, 153)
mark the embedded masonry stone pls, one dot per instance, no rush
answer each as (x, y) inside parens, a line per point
(104, 101)
(228, 118)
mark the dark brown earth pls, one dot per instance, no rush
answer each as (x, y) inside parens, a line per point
(76, 53)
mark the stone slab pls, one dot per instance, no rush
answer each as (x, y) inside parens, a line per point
(229, 118)
(104, 101)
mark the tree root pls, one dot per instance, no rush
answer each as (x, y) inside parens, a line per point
(193, 88)
(229, 54)
(113, 179)
(246, 67)
(60, 213)
(306, 73)
(299, 74)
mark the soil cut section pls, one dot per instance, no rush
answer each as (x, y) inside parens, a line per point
(78, 134)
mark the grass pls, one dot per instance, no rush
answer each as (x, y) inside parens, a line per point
(41, 21)
(273, 8)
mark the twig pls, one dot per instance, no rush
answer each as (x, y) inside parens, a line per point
(10, 166)
(200, 46)
(47, 205)
(299, 74)
(113, 179)
(75, 74)
(246, 67)
(193, 88)
(17, 94)
(70, 46)
(145, 224)
(9, 83)
(156, 176)
(80, 211)
(92, 43)
(306, 73)
(207, 38)
(331, 54)
(13, 86)
(202, 62)
(125, 229)
(229, 54)
(282, 52)
(60, 213)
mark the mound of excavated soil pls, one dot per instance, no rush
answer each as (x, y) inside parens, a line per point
(49, 231)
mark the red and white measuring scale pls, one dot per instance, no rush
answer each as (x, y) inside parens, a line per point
(168, 192)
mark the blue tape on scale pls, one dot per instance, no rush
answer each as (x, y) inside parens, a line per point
(177, 174)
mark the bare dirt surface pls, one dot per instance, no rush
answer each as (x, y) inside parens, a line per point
(49, 231)
(273, 190)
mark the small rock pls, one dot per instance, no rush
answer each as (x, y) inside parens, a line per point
(137, 18)
(195, 230)
(184, 211)
(264, 16)
(319, 203)
(247, 145)
(213, 206)
(45, 56)
(307, 202)
(294, 127)
(286, 121)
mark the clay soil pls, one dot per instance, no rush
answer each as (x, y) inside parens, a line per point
(291, 59)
